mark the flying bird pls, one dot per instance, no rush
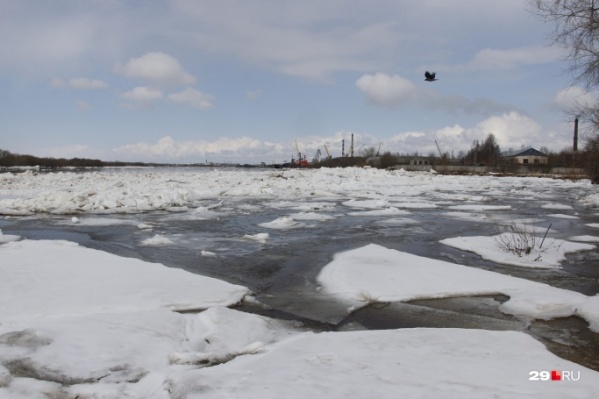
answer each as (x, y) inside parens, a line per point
(430, 76)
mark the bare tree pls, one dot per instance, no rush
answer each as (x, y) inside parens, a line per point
(367, 152)
(577, 30)
(486, 153)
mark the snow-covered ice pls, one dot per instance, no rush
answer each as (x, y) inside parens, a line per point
(82, 330)
(377, 274)
(260, 237)
(8, 237)
(77, 322)
(549, 255)
(585, 238)
(562, 216)
(54, 277)
(283, 223)
(311, 216)
(397, 222)
(391, 211)
(480, 208)
(157, 239)
(556, 206)
(411, 363)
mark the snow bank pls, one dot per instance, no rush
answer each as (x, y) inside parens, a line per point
(46, 278)
(491, 248)
(377, 274)
(8, 237)
(410, 363)
(85, 321)
(78, 322)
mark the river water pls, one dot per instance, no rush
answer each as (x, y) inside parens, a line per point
(282, 271)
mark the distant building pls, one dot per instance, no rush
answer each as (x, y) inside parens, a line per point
(527, 156)
(414, 160)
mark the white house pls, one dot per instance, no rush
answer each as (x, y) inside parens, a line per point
(528, 156)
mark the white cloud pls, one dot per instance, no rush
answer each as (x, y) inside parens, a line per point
(253, 95)
(512, 130)
(41, 41)
(395, 91)
(57, 83)
(156, 67)
(83, 106)
(193, 98)
(306, 38)
(574, 96)
(497, 59)
(382, 89)
(142, 94)
(301, 39)
(85, 83)
(79, 83)
(69, 151)
(402, 137)
(233, 149)
(450, 132)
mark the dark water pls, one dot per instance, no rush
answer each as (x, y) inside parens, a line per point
(282, 272)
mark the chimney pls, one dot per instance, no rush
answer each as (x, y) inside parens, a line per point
(575, 146)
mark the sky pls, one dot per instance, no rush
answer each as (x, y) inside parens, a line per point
(235, 81)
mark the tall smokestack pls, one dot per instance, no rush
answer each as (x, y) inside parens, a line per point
(575, 146)
(351, 149)
(343, 148)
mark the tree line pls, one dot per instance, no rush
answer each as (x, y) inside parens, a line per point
(483, 153)
(8, 159)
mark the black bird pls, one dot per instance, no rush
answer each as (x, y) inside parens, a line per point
(430, 76)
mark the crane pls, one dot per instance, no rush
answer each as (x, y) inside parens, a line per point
(300, 161)
(327, 150)
(317, 156)
(299, 154)
(439, 149)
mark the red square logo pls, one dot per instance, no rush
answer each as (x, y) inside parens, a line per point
(556, 375)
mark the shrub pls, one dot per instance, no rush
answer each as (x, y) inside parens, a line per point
(521, 240)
